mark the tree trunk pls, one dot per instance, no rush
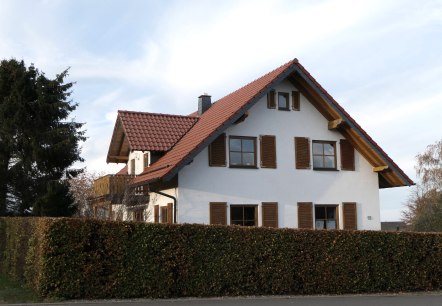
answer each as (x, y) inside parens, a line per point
(4, 162)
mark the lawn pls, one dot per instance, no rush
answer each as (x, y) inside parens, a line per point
(13, 292)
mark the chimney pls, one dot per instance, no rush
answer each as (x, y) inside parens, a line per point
(204, 103)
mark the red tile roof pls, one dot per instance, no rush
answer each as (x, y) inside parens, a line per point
(213, 120)
(122, 171)
(154, 132)
(357, 126)
(229, 109)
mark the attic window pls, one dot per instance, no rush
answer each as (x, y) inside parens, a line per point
(283, 101)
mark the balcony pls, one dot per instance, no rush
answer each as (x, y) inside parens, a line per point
(112, 189)
(111, 186)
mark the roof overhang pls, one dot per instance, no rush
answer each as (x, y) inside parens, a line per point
(119, 147)
(390, 175)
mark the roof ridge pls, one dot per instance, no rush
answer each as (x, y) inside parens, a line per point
(156, 114)
(289, 63)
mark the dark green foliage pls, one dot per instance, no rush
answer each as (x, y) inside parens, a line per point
(57, 192)
(75, 258)
(37, 143)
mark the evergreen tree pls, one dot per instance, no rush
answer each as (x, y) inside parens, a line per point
(57, 193)
(38, 143)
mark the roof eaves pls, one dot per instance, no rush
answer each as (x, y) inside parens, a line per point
(233, 118)
(352, 123)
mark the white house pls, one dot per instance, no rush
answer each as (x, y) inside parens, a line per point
(278, 152)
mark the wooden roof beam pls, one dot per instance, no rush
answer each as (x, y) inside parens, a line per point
(122, 158)
(380, 168)
(334, 124)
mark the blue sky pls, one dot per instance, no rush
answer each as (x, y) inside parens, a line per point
(381, 60)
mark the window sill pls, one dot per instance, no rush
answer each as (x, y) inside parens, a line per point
(243, 167)
(284, 109)
(325, 169)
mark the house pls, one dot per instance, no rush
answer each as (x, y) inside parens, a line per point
(279, 152)
(393, 226)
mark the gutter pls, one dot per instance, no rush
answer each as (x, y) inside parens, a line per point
(174, 202)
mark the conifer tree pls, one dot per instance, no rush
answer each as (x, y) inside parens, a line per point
(38, 142)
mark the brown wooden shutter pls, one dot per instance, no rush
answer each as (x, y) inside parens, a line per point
(132, 166)
(302, 153)
(350, 216)
(296, 101)
(347, 155)
(217, 152)
(169, 213)
(156, 214)
(305, 215)
(268, 151)
(271, 99)
(218, 213)
(146, 160)
(270, 214)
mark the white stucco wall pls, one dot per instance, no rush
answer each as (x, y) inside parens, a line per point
(200, 184)
(157, 199)
(139, 161)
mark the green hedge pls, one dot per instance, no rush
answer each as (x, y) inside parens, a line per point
(73, 258)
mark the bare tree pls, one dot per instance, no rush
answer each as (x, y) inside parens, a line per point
(136, 204)
(82, 188)
(424, 206)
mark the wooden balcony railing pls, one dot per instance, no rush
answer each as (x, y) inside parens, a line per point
(111, 185)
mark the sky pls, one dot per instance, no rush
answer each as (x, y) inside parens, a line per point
(381, 60)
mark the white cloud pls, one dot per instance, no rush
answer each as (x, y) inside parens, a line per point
(380, 59)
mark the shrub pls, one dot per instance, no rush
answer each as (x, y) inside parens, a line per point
(75, 258)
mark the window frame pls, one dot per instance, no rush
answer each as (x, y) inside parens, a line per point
(255, 215)
(325, 206)
(333, 143)
(287, 99)
(254, 166)
(138, 215)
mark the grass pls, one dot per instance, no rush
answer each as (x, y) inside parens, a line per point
(13, 292)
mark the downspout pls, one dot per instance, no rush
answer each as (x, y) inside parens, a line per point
(174, 202)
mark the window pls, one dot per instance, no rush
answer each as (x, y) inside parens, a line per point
(163, 214)
(242, 152)
(244, 215)
(138, 215)
(166, 213)
(283, 101)
(324, 155)
(326, 217)
(102, 212)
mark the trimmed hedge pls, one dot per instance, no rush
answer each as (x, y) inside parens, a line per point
(74, 258)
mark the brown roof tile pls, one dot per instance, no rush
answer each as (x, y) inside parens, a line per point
(154, 132)
(226, 111)
(218, 115)
(122, 171)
